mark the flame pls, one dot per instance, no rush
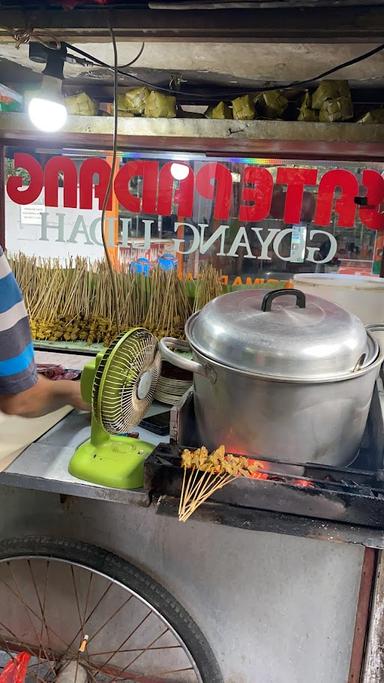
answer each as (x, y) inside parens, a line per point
(303, 483)
(260, 465)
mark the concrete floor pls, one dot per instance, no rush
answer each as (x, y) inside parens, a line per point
(275, 609)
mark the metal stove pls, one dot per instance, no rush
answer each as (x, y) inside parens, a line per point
(346, 502)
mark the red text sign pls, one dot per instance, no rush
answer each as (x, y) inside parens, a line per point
(338, 191)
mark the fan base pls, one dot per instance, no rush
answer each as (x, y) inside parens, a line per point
(117, 463)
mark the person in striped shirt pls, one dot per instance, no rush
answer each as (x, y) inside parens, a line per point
(22, 391)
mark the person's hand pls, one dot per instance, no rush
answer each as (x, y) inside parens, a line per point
(71, 391)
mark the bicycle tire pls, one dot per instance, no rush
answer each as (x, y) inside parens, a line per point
(111, 565)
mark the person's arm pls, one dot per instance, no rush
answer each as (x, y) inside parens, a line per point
(22, 391)
(43, 397)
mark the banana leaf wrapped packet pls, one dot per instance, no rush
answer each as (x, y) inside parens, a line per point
(81, 104)
(160, 106)
(271, 104)
(306, 113)
(220, 111)
(329, 90)
(244, 108)
(338, 109)
(133, 100)
(374, 116)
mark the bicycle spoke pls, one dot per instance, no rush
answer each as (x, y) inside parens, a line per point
(77, 601)
(86, 655)
(126, 639)
(141, 653)
(175, 671)
(35, 676)
(22, 647)
(96, 607)
(80, 619)
(9, 653)
(137, 677)
(93, 618)
(42, 608)
(137, 649)
(28, 613)
(30, 609)
(108, 621)
(88, 666)
(17, 646)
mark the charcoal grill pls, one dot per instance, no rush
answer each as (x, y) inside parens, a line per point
(347, 503)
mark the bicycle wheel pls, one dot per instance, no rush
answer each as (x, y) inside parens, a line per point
(64, 601)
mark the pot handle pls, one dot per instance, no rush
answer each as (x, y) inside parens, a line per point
(266, 304)
(375, 327)
(364, 361)
(167, 347)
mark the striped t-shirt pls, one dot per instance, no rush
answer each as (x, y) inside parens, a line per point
(17, 366)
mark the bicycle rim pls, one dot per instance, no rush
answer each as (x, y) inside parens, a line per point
(60, 611)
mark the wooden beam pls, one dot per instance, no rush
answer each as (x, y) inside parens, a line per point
(277, 139)
(296, 24)
(362, 615)
(374, 661)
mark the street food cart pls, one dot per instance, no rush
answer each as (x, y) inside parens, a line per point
(284, 575)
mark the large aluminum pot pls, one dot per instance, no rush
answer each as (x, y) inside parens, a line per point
(291, 381)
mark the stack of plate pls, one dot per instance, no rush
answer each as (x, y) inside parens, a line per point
(172, 385)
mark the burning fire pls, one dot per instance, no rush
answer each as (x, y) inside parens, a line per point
(261, 465)
(302, 483)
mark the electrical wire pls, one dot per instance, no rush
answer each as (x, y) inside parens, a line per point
(350, 62)
(110, 182)
(22, 37)
(133, 61)
(293, 84)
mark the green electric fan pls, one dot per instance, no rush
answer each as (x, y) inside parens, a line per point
(120, 385)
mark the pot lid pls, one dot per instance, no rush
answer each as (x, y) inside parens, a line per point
(281, 334)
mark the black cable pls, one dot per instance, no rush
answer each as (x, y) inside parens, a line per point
(133, 61)
(110, 182)
(355, 60)
(293, 84)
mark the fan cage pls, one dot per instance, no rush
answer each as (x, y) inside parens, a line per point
(132, 360)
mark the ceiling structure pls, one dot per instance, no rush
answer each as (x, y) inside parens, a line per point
(180, 20)
(207, 46)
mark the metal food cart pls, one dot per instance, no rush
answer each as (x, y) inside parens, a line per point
(283, 582)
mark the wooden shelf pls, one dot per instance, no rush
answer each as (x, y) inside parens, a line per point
(271, 139)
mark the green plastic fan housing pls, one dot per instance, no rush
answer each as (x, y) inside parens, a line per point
(107, 459)
(117, 463)
(87, 377)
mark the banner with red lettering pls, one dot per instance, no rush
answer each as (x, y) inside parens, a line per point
(250, 217)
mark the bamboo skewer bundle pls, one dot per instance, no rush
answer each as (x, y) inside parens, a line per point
(204, 474)
(173, 308)
(74, 301)
(155, 300)
(208, 286)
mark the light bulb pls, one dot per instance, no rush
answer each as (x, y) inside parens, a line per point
(47, 115)
(47, 110)
(179, 171)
